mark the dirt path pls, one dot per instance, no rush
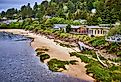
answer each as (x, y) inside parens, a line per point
(56, 51)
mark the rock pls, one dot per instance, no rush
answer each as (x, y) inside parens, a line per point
(91, 74)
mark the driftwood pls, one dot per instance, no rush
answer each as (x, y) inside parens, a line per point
(81, 45)
(97, 52)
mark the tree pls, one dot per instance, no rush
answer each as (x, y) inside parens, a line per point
(52, 9)
(3, 14)
(60, 13)
(71, 6)
(69, 16)
(77, 14)
(68, 28)
(29, 10)
(10, 13)
(109, 10)
(26, 11)
(35, 9)
(115, 30)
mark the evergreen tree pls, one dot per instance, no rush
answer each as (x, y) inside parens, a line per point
(35, 10)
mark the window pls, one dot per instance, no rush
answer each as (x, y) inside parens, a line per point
(98, 31)
(101, 31)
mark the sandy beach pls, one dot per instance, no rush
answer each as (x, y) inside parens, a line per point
(56, 51)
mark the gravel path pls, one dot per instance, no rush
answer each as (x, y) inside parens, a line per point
(18, 63)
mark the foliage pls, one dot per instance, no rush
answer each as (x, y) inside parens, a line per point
(100, 73)
(3, 26)
(44, 57)
(26, 11)
(97, 41)
(106, 11)
(57, 20)
(115, 30)
(68, 28)
(15, 25)
(73, 62)
(66, 45)
(55, 65)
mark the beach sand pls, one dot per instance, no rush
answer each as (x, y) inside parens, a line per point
(56, 51)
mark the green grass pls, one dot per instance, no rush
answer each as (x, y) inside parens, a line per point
(44, 57)
(100, 73)
(42, 49)
(55, 64)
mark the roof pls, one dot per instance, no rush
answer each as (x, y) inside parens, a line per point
(75, 26)
(60, 25)
(106, 25)
(95, 27)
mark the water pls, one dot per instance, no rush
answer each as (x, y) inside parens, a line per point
(18, 62)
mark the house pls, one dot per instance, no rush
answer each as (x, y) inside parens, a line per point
(84, 30)
(114, 38)
(97, 30)
(60, 27)
(78, 29)
(89, 30)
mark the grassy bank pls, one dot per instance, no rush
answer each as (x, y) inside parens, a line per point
(97, 71)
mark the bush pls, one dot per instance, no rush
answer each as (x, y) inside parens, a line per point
(100, 73)
(74, 54)
(85, 59)
(73, 62)
(41, 49)
(97, 41)
(54, 65)
(3, 26)
(44, 57)
(39, 53)
(15, 25)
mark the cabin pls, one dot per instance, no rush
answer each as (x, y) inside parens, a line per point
(79, 29)
(60, 27)
(97, 30)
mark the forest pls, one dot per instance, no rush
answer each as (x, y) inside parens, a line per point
(94, 11)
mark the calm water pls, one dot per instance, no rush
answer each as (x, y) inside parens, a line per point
(18, 62)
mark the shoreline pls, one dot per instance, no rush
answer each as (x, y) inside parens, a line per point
(56, 51)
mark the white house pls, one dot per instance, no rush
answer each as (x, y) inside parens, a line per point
(97, 30)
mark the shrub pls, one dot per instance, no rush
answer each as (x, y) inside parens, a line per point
(55, 65)
(97, 41)
(44, 56)
(42, 49)
(3, 26)
(39, 53)
(73, 62)
(85, 59)
(15, 25)
(74, 54)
